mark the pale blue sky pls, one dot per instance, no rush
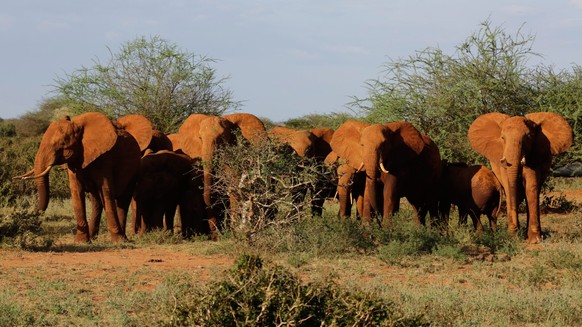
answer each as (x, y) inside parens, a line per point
(285, 58)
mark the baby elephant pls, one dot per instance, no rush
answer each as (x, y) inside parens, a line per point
(474, 190)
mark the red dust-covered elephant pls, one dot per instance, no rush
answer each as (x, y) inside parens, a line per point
(102, 158)
(520, 150)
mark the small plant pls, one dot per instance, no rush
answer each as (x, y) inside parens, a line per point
(258, 294)
(23, 229)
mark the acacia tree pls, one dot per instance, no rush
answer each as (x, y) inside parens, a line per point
(152, 77)
(442, 94)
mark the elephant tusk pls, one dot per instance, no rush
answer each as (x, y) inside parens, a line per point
(46, 171)
(523, 161)
(30, 173)
(351, 199)
(384, 170)
(360, 168)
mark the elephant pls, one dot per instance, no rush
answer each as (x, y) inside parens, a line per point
(398, 161)
(102, 159)
(350, 185)
(520, 150)
(312, 144)
(474, 190)
(168, 180)
(201, 135)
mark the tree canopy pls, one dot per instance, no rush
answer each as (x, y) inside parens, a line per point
(152, 77)
(442, 94)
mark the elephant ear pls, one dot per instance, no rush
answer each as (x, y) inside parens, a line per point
(99, 135)
(139, 127)
(251, 127)
(406, 138)
(323, 138)
(189, 135)
(301, 141)
(555, 130)
(174, 139)
(485, 135)
(346, 142)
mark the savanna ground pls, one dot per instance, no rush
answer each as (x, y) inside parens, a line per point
(460, 279)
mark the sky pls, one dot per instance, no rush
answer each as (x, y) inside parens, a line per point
(282, 58)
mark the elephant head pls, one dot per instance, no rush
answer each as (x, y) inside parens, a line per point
(251, 127)
(76, 142)
(301, 141)
(521, 147)
(371, 148)
(200, 135)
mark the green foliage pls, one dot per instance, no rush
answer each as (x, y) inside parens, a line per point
(23, 229)
(152, 77)
(333, 120)
(561, 92)
(16, 158)
(442, 94)
(7, 129)
(257, 294)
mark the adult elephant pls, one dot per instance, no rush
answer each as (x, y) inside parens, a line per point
(398, 162)
(474, 190)
(166, 181)
(201, 135)
(102, 159)
(520, 150)
(312, 144)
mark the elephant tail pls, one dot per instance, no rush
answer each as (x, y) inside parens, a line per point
(499, 188)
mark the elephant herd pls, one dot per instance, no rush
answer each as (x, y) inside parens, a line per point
(123, 163)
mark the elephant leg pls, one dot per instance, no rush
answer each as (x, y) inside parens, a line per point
(532, 194)
(317, 202)
(96, 210)
(113, 224)
(476, 219)
(79, 209)
(123, 204)
(492, 221)
(169, 214)
(135, 217)
(444, 211)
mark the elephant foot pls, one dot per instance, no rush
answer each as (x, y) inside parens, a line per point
(118, 238)
(534, 238)
(82, 237)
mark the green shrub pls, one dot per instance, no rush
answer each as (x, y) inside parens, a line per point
(257, 294)
(23, 229)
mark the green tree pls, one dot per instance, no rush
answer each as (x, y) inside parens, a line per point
(333, 120)
(442, 94)
(152, 77)
(561, 92)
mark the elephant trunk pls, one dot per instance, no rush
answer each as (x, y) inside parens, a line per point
(512, 197)
(371, 162)
(41, 168)
(207, 162)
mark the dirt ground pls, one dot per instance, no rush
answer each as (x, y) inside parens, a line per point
(145, 266)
